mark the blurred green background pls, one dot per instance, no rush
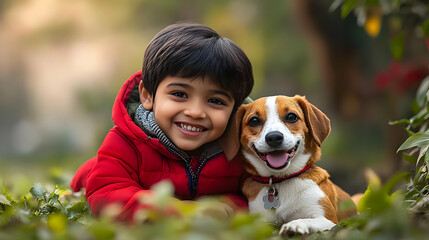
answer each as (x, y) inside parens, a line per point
(62, 63)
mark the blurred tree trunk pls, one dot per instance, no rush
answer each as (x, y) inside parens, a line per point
(340, 55)
(337, 57)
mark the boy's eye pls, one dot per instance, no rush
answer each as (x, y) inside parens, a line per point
(216, 101)
(179, 94)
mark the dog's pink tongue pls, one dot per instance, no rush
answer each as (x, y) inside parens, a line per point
(277, 158)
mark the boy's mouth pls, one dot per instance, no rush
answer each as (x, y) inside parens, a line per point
(190, 128)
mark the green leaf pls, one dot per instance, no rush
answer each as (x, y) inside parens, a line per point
(420, 117)
(102, 230)
(426, 158)
(402, 121)
(425, 28)
(53, 198)
(348, 7)
(422, 153)
(420, 139)
(38, 191)
(79, 207)
(346, 205)
(419, 172)
(77, 210)
(421, 96)
(410, 133)
(335, 4)
(57, 222)
(415, 108)
(4, 200)
(393, 181)
(374, 201)
(397, 46)
(408, 158)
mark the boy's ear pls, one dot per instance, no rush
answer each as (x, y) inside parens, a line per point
(230, 140)
(145, 98)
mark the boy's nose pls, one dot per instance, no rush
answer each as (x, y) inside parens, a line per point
(195, 110)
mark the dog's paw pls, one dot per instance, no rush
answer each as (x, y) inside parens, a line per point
(295, 227)
(306, 226)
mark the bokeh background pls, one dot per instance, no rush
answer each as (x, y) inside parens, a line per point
(63, 61)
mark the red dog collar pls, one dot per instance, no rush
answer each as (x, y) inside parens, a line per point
(279, 179)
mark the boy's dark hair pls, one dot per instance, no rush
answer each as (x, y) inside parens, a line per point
(193, 50)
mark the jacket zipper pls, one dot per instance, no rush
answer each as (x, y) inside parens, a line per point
(192, 177)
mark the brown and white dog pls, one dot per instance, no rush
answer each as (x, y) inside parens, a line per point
(280, 143)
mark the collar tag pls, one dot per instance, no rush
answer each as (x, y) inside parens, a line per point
(271, 200)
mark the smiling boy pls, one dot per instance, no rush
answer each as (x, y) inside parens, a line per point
(191, 112)
(170, 121)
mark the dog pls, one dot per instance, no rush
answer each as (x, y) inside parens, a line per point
(281, 141)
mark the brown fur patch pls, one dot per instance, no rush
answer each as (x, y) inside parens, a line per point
(329, 209)
(252, 188)
(333, 193)
(255, 109)
(356, 198)
(321, 178)
(287, 105)
(343, 196)
(317, 122)
(317, 174)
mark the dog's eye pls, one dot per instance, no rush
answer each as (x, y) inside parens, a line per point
(291, 118)
(254, 122)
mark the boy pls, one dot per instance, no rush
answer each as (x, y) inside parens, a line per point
(170, 119)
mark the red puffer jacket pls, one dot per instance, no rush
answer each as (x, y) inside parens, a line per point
(129, 162)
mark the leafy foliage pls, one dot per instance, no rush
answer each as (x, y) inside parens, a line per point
(417, 194)
(404, 213)
(60, 214)
(383, 216)
(403, 16)
(41, 213)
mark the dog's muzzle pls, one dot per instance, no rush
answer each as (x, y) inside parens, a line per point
(277, 157)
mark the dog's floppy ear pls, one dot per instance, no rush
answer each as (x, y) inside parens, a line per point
(317, 122)
(230, 140)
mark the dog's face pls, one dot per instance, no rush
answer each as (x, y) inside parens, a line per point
(280, 135)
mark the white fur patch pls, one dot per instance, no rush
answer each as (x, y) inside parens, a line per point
(274, 123)
(299, 207)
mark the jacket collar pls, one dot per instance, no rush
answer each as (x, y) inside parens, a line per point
(146, 120)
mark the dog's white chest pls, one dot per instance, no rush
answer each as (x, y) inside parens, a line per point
(299, 198)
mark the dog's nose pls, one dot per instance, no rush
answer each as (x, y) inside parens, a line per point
(274, 139)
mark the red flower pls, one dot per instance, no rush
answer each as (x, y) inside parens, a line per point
(399, 76)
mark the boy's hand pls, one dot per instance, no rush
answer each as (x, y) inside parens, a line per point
(219, 211)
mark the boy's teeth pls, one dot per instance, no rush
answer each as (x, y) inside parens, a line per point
(190, 128)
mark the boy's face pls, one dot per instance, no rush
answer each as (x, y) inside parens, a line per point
(191, 112)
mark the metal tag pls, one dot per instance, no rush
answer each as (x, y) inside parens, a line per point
(271, 200)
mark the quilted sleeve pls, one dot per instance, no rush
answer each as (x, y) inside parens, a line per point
(79, 180)
(114, 177)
